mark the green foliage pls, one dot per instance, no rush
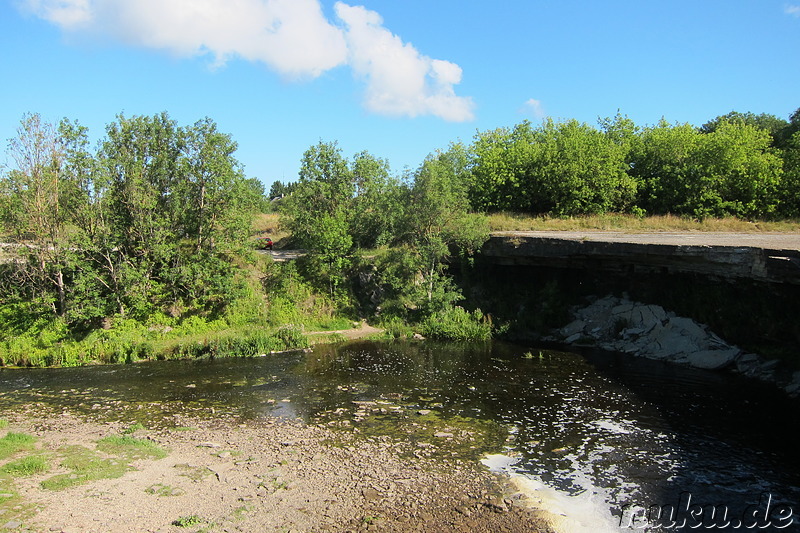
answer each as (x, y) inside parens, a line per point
(730, 171)
(26, 466)
(189, 521)
(131, 447)
(13, 442)
(561, 168)
(84, 465)
(457, 324)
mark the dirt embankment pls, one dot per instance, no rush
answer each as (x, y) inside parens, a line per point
(266, 475)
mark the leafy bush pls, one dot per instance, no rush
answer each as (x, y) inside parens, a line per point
(457, 324)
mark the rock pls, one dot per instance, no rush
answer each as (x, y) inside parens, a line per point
(12, 524)
(209, 444)
(424, 412)
(573, 328)
(370, 494)
(713, 359)
(688, 328)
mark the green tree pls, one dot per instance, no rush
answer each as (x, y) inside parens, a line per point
(499, 160)
(770, 123)
(379, 204)
(790, 185)
(35, 212)
(440, 221)
(318, 212)
(730, 171)
(563, 168)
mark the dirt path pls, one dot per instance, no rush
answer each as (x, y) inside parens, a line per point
(259, 476)
(363, 330)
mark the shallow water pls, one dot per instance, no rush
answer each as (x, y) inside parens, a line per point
(606, 432)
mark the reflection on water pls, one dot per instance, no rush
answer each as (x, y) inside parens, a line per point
(627, 431)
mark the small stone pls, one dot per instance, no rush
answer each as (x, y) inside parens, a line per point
(443, 435)
(370, 494)
(424, 412)
(209, 445)
(12, 524)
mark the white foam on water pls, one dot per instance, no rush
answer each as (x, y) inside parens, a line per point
(587, 512)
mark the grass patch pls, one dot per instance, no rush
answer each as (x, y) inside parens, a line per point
(85, 465)
(27, 466)
(195, 473)
(131, 447)
(189, 521)
(3, 423)
(160, 489)
(634, 224)
(15, 442)
(133, 428)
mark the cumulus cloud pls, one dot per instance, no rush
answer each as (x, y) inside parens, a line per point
(400, 81)
(292, 37)
(534, 107)
(792, 10)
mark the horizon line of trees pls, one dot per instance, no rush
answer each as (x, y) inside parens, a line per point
(739, 164)
(156, 218)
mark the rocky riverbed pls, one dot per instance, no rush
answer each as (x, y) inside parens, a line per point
(263, 475)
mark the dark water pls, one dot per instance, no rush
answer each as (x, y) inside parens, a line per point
(622, 434)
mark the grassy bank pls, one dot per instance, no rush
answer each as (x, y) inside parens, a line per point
(634, 224)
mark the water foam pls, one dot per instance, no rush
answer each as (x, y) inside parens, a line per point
(587, 512)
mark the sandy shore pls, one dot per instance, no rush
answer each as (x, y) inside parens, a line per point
(265, 475)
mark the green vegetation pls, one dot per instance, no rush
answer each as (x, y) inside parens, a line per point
(13, 442)
(26, 466)
(143, 247)
(189, 521)
(159, 489)
(130, 447)
(84, 465)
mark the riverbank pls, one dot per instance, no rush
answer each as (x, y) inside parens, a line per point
(262, 475)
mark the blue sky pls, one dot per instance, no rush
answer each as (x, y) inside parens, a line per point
(399, 78)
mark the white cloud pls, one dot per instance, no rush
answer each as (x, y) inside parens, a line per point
(292, 37)
(535, 108)
(400, 80)
(792, 10)
(69, 14)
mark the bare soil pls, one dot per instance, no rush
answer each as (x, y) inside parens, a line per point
(266, 475)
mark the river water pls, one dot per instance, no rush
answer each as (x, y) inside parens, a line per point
(614, 442)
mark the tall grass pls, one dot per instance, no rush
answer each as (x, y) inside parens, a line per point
(630, 223)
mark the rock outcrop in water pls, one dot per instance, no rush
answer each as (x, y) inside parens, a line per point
(647, 330)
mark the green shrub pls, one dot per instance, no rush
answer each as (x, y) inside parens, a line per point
(457, 324)
(291, 336)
